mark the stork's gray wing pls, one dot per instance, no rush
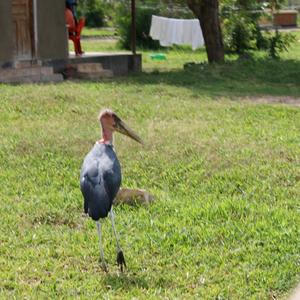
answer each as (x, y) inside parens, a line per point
(96, 201)
(100, 181)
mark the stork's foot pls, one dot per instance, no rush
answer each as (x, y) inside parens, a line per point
(121, 260)
(103, 265)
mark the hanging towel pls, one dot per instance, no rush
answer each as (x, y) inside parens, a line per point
(169, 31)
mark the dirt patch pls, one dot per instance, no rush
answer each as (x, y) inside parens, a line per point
(275, 100)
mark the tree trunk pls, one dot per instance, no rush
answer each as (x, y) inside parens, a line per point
(207, 11)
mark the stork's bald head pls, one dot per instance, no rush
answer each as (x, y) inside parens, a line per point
(110, 122)
(107, 119)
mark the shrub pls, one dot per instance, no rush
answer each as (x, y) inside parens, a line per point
(240, 25)
(143, 23)
(242, 32)
(239, 34)
(279, 42)
(93, 11)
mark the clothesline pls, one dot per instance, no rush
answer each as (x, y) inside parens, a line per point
(173, 8)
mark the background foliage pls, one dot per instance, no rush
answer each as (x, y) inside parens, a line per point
(239, 19)
(242, 31)
(94, 11)
(143, 23)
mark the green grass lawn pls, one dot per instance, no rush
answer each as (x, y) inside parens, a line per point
(98, 32)
(223, 167)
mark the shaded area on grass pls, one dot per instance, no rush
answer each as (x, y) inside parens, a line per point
(237, 78)
(117, 281)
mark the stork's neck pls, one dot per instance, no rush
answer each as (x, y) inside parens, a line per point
(107, 136)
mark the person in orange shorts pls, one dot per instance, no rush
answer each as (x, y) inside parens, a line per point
(74, 35)
(70, 20)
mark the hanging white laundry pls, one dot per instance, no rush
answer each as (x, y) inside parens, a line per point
(169, 31)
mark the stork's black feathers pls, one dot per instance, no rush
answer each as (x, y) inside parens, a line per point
(100, 180)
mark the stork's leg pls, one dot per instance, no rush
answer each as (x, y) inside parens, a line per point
(101, 247)
(120, 255)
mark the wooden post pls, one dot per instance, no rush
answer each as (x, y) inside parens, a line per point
(133, 27)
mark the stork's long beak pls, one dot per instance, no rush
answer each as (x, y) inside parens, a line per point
(124, 129)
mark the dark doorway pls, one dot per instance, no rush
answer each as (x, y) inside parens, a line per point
(22, 16)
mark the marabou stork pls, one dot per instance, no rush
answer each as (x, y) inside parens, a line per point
(100, 177)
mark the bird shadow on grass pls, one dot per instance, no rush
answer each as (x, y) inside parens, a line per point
(124, 280)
